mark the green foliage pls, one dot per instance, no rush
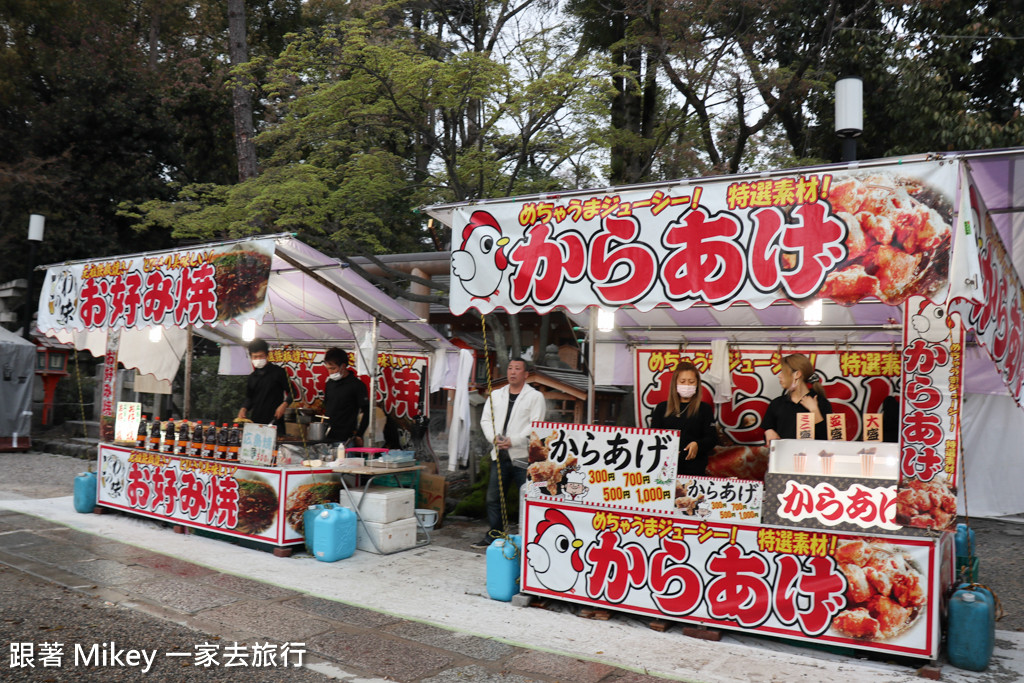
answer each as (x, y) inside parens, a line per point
(214, 397)
(376, 114)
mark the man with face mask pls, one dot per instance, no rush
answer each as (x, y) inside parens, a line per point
(267, 389)
(345, 399)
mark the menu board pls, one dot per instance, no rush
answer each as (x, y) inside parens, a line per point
(126, 425)
(258, 443)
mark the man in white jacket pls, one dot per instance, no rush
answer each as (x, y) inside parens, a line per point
(512, 408)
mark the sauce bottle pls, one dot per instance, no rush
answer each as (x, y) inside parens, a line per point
(210, 441)
(170, 438)
(142, 437)
(196, 450)
(234, 442)
(154, 435)
(222, 442)
(184, 437)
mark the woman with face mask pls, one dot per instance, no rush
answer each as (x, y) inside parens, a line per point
(801, 393)
(684, 411)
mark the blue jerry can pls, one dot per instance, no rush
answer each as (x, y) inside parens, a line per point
(964, 535)
(85, 492)
(334, 534)
(971, 633)
(307, 524)
(504, 560)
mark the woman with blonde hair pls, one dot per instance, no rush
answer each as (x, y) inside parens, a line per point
(684, 411)
(802, 393)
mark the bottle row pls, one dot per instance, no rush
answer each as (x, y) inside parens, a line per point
(192, 439)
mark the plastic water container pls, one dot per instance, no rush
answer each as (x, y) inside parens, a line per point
(504, 561)
(308, 528)
(971, 633)
(85, 492)
(334, 534)
(964, 536)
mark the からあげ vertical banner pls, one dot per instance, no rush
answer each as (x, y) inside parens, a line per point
(932, 395)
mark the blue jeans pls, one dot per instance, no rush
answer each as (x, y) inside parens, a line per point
(509, 475)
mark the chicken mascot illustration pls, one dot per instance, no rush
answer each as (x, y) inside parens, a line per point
(555, 554)
(480, 262)
(931, 322)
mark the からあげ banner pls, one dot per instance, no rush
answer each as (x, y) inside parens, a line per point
(933, 343)
(800, 584)
(622, 467)
(845, 235)
(201, 286)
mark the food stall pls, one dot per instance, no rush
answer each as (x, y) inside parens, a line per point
(140, 311)
(890, 275)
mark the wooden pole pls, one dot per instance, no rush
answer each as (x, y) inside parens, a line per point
(187, 399)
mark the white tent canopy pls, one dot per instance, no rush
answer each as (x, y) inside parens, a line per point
(547, 235)
(312, 301)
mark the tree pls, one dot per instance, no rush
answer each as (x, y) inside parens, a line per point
(394, 107)
(107, 102)
(241, 97)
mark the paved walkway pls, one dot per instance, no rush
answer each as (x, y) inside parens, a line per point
(419, 615)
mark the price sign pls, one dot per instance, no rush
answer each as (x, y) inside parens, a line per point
(258, 443)
(126, 426)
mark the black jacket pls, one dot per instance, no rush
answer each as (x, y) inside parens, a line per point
(781, 416)
(699, 428)
(344, 399)
(266, 389)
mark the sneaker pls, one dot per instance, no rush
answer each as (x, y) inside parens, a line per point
(483, 543)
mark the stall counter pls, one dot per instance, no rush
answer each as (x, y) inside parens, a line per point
(262, 504)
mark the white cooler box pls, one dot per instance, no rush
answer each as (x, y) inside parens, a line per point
(391, 537)
(383, 504)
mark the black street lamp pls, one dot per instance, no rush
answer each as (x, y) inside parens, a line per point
(36, 225)
(849, 114)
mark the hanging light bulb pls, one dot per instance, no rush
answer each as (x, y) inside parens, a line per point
(812, 314)
(605, 320)
(156, 333)
(249, 330)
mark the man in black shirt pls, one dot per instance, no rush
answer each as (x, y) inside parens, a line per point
(345, 398)
(267, 389)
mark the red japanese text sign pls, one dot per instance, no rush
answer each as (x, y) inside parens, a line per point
(622, 467)
(840, 235)
(836, 503)
(400, 382)
(998, 322)
(856, 380)
(187, 287)
(799, 584)
(263, 504)
(933, 342)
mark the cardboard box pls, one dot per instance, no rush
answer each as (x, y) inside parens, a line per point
(382, 504)
(391, 537)
(433, 489)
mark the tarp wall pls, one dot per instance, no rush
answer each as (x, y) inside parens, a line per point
(17, 364)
